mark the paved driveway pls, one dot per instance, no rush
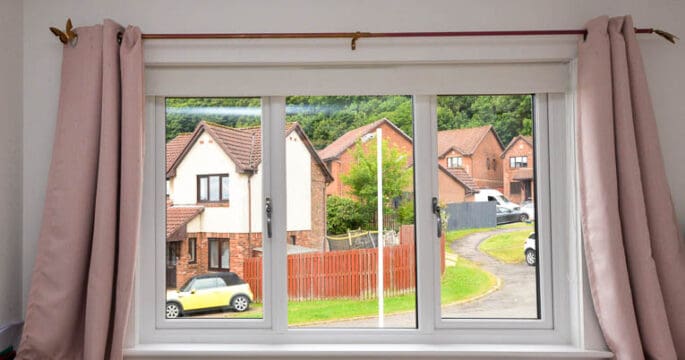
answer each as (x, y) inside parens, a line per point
(516, 297)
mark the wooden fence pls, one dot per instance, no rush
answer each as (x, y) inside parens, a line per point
(342, 274)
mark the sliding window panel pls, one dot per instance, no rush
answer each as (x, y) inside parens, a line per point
(336, 227)
(214, 176)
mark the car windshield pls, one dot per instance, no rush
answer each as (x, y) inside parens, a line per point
(503, 199)
(186, 286)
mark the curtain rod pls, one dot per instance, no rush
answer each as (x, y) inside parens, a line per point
(69, 35)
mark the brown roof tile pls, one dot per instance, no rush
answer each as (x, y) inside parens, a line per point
(463, 177)
(174, 148)
(337, 147)
(242, 145)
(177, 216)
(463, 140)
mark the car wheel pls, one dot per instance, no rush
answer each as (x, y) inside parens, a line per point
(240, 303)
(173, 310)
(524, 217)
(531, 257)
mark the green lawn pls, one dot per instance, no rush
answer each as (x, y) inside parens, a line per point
(454, 235)
(460, 282)
(507, 247)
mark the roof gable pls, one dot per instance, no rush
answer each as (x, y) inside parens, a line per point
(242, 145)
(464, 140)
(461, 176)
(344, 142)
(526, 138)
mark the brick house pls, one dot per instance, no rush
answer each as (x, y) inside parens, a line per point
(455, 184)
(519, 180)
(475, 152)
(214, 198)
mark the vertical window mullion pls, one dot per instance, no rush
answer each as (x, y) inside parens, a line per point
(273, 162)
(427, 253)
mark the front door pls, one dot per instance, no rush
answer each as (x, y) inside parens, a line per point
(173, 253)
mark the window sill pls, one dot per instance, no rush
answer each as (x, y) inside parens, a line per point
(342, 351)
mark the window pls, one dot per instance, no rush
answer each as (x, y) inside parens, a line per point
(550, 311)
(192, 250)
(487, 163)
(518, 161)
(219, 254)
(212, 188)
(494, 164)
(454, 162)
(293, 240)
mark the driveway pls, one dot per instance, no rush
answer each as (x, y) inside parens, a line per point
(516, 297)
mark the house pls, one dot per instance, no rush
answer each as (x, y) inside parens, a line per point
(475, 152)
(519, 179)
(455, 184)
(215, 202)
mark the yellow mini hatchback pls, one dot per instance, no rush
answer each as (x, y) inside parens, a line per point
(207, 292)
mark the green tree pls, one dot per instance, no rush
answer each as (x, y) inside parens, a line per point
(342, 214)
(363, 181)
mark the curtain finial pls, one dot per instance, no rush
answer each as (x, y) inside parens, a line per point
(66, 37)
(666, 35)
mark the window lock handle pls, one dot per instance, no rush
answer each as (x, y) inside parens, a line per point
(437, 212)
(268, 210)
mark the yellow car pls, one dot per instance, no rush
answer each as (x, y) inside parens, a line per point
(207, 292)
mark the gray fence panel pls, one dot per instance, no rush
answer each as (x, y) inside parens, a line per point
(470, 215)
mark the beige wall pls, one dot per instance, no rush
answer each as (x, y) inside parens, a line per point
(450, 191)
(10, 165)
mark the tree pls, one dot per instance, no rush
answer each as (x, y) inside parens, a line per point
(363, 181)
(342, 214)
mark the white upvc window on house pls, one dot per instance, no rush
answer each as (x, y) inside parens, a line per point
(454, 162)
(518, 162)
(437, 295)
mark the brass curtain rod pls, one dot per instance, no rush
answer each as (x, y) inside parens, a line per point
(69, 35)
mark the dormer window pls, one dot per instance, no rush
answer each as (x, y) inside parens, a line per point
(454, 162)
(212, 188)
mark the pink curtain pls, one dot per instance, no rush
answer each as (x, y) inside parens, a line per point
(81, 286)
(634, 253)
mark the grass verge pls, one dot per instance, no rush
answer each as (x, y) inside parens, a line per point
(455, 235)
(506, 247)
(460, 282)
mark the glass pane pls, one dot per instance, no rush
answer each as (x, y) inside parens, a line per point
(209, 141)
(332, 220)
(213, 254)
(224, 188)
(214, 188)
(489, 267)
(224, 255)
(203, 189)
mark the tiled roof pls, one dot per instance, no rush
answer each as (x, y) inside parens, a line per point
(463, 177)
(175, 146)
(463, 140)
(348, 139)
(528, 139)
(242, 145)
(177, 216)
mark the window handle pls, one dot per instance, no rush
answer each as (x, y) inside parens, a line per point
(436, 211)
(268, 211)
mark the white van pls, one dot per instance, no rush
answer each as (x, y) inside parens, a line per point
(496, 196)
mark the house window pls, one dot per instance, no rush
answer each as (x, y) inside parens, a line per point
(292, 240)
(515, 188)
(219, 254)
(487, 163)
(518, 162)
(212, 188)
(192, 250)
(494, 164)
(454, 162)
(442, 320)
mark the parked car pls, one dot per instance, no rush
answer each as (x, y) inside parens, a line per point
(505, 216)
(207, 292)
(497, 197)
(528, 209)
(530, 251)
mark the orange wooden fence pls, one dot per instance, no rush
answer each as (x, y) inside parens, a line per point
(341, 274)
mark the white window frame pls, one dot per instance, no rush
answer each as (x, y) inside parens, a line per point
(563, 328)
(459, 161)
